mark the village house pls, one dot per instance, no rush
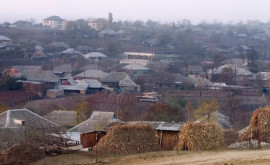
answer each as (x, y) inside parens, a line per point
(261, 80)
(89, 132)
(91, 74)
(84, 86)
(121, 82)
(64, 70)
(39, 82)
(136, 58)
(136, 70)
(96, 25)
(55, 93)
(240, 75)
(55, 22)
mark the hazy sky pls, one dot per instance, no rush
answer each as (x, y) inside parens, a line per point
(158, 10)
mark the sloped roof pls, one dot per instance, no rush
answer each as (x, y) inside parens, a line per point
(65, 118)
(94, 55)
(90, 83)
(135, 67)
(115, 77)
(261, 76)
(97, 122)
(10, 118)
(54, 18)
(92, 74)
(239, 71)
(127, 82)
(70, 51)
(4, 38)
(199, 81)
(65, 68)
(40, 76)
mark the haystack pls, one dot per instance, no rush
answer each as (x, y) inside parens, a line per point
(201, 136)
(230, 136)
(259, 126)
(128, 139)
(21, 155)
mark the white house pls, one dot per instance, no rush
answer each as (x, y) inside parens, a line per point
(55, 22)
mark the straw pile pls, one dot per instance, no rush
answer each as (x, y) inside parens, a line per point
(259, 127)
(20, 155)
(230, 136)
(128, 139)
(201, 136)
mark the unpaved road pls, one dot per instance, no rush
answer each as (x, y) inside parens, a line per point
(229, 157)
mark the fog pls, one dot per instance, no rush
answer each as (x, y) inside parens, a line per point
(158, 10)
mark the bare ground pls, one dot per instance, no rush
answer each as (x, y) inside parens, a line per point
(228, 157)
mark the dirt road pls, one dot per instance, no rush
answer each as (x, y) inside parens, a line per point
(239, 157)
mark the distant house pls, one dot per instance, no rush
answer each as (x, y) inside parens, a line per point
(136, 58)
(19, 69)
(39, 81)
(121, 82)
(96, 26)
(91, 74)
(92, 130)
(63, 118)
(55, 93)
(64, 70)
(84, 86)
(55, 22)
(94, 56)
(136, 70)
(240, 74)
(4, 39)
(16, 118)
(260, 79)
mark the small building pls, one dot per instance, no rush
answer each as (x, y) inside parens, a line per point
(39, 82)
(168, 132)
(85, 86)
(55, 22)
(55, 93)
(136, 70)
(121, 82)
(64, 70)
(93, 129)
